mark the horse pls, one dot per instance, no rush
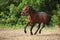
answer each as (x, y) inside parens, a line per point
(35, 17)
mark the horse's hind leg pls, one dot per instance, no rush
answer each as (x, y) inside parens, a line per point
(25, 27)
(41, 28)
(31, 29)
(37, 29)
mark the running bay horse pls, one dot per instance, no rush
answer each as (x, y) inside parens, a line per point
(35, 18)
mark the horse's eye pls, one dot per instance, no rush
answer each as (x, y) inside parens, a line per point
(26, 9)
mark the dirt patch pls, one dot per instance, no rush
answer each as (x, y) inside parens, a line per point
(18, 34)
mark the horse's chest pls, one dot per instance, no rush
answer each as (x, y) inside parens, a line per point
(33, 19)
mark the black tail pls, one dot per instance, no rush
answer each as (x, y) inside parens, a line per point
(49, 20)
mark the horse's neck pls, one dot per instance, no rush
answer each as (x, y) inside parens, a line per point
(32, 13)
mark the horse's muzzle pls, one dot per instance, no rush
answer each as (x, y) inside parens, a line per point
(22, 14)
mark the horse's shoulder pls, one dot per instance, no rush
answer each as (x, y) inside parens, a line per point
(28, 16)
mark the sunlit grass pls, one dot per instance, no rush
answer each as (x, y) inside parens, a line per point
(11, 26)
(52, 28)
(22, 26)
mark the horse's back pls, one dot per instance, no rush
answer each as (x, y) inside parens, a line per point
(42, 13)
(44, 17)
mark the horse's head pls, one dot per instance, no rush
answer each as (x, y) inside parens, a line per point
(26, 9)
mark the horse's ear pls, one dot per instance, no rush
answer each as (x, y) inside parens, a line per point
(31, 7)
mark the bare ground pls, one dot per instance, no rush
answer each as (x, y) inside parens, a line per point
(18, 34)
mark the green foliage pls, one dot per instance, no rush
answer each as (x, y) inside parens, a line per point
(56, 16)
(58, 13)
(55, 19)
(10, 10)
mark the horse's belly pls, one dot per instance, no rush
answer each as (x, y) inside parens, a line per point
(34, 20)
(38, 21)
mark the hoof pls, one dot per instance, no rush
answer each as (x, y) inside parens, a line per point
(39, 31)
(25, 31)
(31, 33)
(34, 33)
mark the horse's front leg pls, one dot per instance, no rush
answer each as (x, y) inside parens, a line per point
(31, 29)
(37, 29)
(25, 27)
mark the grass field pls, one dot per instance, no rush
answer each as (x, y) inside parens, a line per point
(22, 26)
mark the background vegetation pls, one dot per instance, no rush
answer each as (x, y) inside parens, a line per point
(10, 11)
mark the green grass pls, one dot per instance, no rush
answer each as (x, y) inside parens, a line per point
(10, 26)
(22, 26)
(51, 28)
